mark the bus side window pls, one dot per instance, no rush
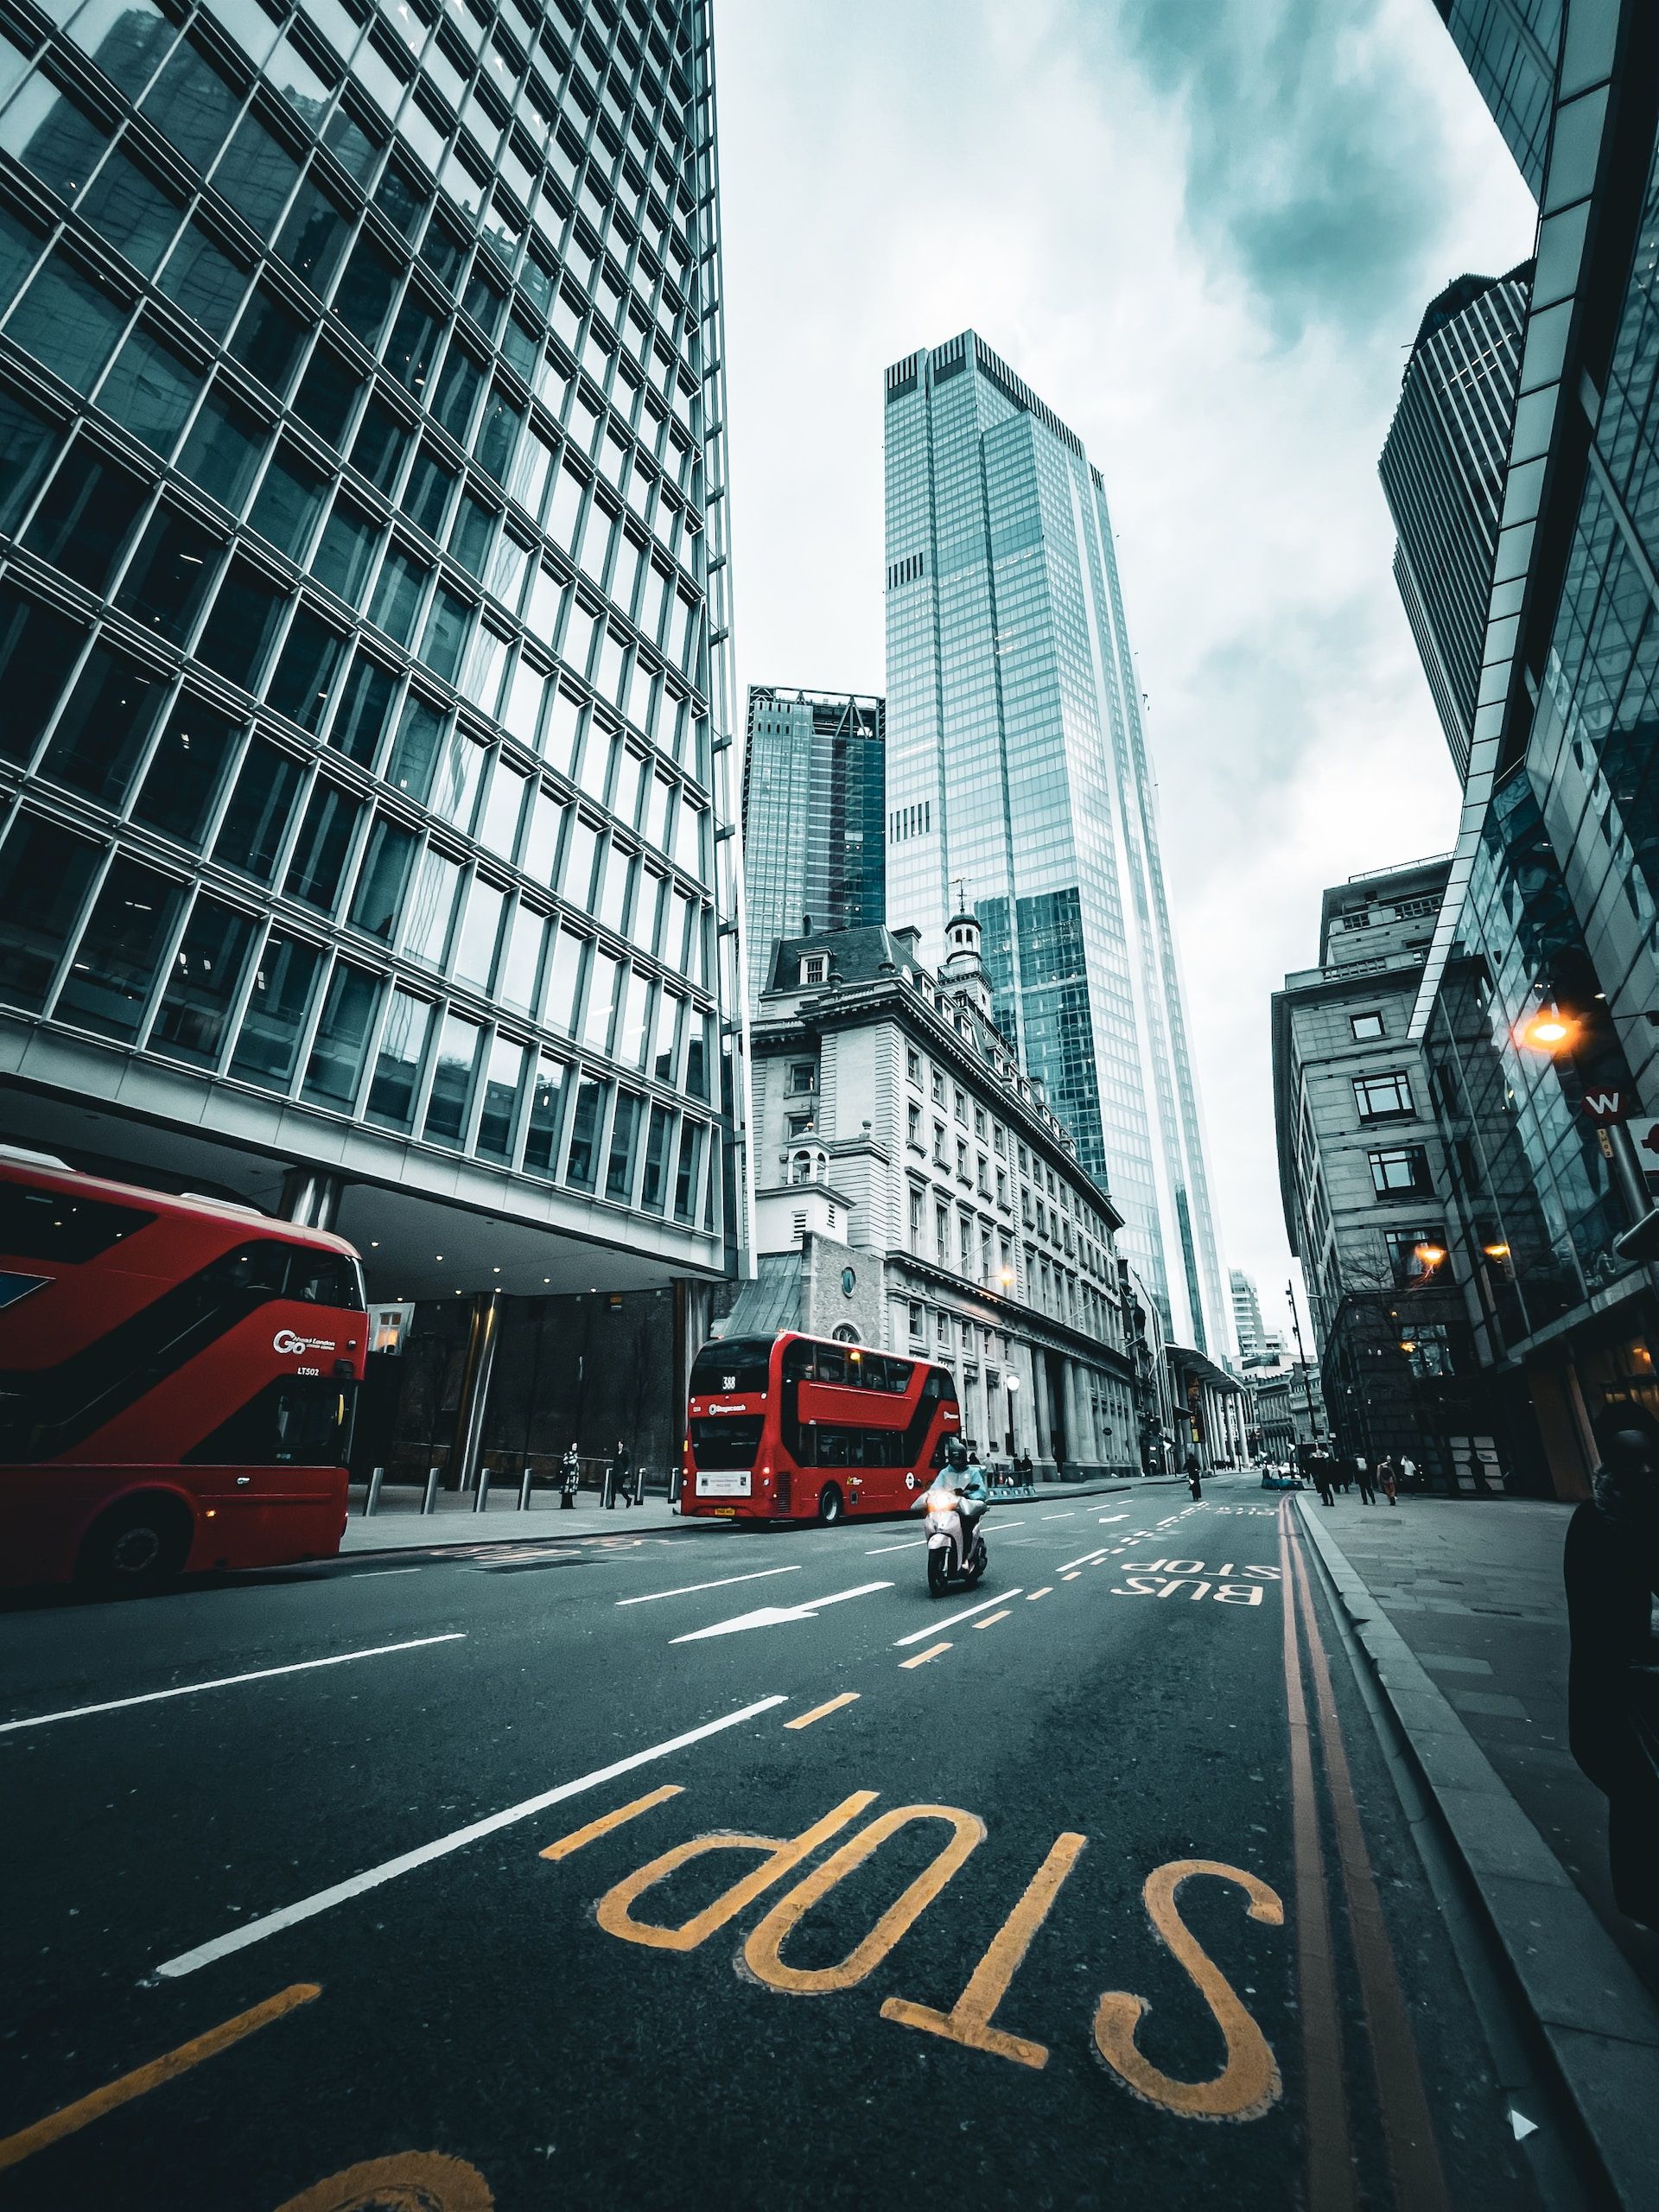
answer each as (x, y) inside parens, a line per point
(899, 1374)
(831, 1364)
(797, 1363)
(320, 1278)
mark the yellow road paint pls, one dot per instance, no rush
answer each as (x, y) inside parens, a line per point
(606, 1822)
(922, 1657)
(991, 1619)
(428, 2179)
(1250, 2082)
(1031, 1596)
(782, 1856)
(819, 1712)
(969, 2020)
(1073, 1577)
(761, 1954)
(14, 2149)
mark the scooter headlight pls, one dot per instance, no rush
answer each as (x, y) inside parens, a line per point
(942, 1500)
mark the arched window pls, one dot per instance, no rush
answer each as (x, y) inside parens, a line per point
(847, 1334)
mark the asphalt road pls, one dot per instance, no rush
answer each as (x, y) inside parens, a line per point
(724, 1868)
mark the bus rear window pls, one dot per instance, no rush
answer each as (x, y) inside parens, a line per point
(37, 1224)
(734, 1364)
(728, 1442)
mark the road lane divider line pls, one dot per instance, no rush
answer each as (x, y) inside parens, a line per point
(1031, 1596)
(922, 1657)
(1085, 1559)
(1330, 2154)
(14, 2149)
(1070, 1514)
(991, 1619)
(1407, 2126)
(1076, 1575)
(606, 1822)
(910, 1544)
(823, 1712)
(227, 1681)
(1003, 1527)
(378, 1573)
(690, 1589)
(920, 1635)
(371, 1878)
(1106, 1518)
(969, 2020)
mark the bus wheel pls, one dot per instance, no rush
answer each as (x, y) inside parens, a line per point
(137, 1546)
(830, 1505)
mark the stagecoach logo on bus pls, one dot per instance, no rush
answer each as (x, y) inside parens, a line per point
(286, 1341)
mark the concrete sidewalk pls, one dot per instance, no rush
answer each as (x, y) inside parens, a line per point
(1458, 1605)
(399, 1524)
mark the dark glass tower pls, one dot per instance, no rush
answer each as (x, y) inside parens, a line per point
(362, 630)
(814, 792)
(1511, 48)
(1442, 471)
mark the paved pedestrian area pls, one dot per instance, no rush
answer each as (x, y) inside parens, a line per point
(1474, 1588)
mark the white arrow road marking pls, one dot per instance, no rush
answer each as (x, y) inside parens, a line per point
(255, 1931)
(933, 1627)
(772, 1616)
(1521, 2124)
(690, 1589)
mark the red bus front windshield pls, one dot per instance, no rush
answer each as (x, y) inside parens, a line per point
(792, 1427)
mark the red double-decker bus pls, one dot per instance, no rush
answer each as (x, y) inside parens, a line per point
(177, 1380)
(790, 1427)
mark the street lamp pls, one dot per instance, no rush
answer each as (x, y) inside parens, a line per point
(1549, 1030)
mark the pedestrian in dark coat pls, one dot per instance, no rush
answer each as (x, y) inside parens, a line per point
(1320, 1468)
(1346, 1472)
(1610, 1566)
(1194, 1478)
(569, 1478)
(1366, 1479)
(621, 1468)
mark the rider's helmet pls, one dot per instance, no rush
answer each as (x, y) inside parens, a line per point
(956, 1454)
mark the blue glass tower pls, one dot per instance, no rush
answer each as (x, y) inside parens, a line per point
(1017, 770)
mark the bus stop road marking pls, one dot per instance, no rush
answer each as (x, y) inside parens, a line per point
(227, 1681)
(920, 1635)
(690, 1589)
(14, 2149)
(922, 1657)
(606, 1822)
(776, 1616)
(272, 1924)
(822, 1712)
(1085, 1559)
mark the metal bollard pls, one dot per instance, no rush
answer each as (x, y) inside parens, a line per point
(607, 1490)
(481, 1502)
(677, 1478)
(429, 1503)
(372, 1501)
(523, 1491)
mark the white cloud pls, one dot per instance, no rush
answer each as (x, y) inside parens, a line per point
(1208, 254)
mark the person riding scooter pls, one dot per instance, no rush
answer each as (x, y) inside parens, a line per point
(967, 1478)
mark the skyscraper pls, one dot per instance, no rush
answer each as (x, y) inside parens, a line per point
(1018, 777)
(1442, 470)
(1511, 48)
(1251, 1336)
(814, 787)
(364, 703)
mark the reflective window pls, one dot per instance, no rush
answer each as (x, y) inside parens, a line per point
(499, 1107)
(44, 872)
(450, 1100)
(283, 983)
(397, 1063)
(191, 1021)
(335, 1066)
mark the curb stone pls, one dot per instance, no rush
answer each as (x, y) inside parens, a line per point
(1596, 2021)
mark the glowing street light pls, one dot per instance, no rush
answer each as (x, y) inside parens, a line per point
(1549, 1030)
(1428, 1256)
(1495, 1251)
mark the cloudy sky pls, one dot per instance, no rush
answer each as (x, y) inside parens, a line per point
(1204, 231)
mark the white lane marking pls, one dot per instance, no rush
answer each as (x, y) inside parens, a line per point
(227, 1681)
(1105, 1517)
(774, 1616)
(1087, 1559)
(1070, 1516)
(690, 1588)
(919, 1635)
(373, 1573)
(1003, 1526)
(238, 1939)
(910, 1544)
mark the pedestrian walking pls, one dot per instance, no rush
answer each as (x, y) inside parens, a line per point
(1610, 1567)
(1344, 1474)
(569, 1478)
(1319, 1466)
(621, 1469)
(1408, 1471)
(1366, 1479)
(1388, 1475)
(1194, 1478)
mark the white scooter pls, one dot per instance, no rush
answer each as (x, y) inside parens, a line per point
(947, 1566)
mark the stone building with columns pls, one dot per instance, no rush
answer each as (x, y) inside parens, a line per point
(914, 1191)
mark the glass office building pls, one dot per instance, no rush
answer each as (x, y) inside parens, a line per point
(1510, 48)
(1018, 779)
(1442, 470)
(814, 792)
(363, 631)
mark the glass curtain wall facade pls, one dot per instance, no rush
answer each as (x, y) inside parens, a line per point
(1511, 48)
(1442, 471)
(1018, 777)
(814, 800)
(363, 632)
